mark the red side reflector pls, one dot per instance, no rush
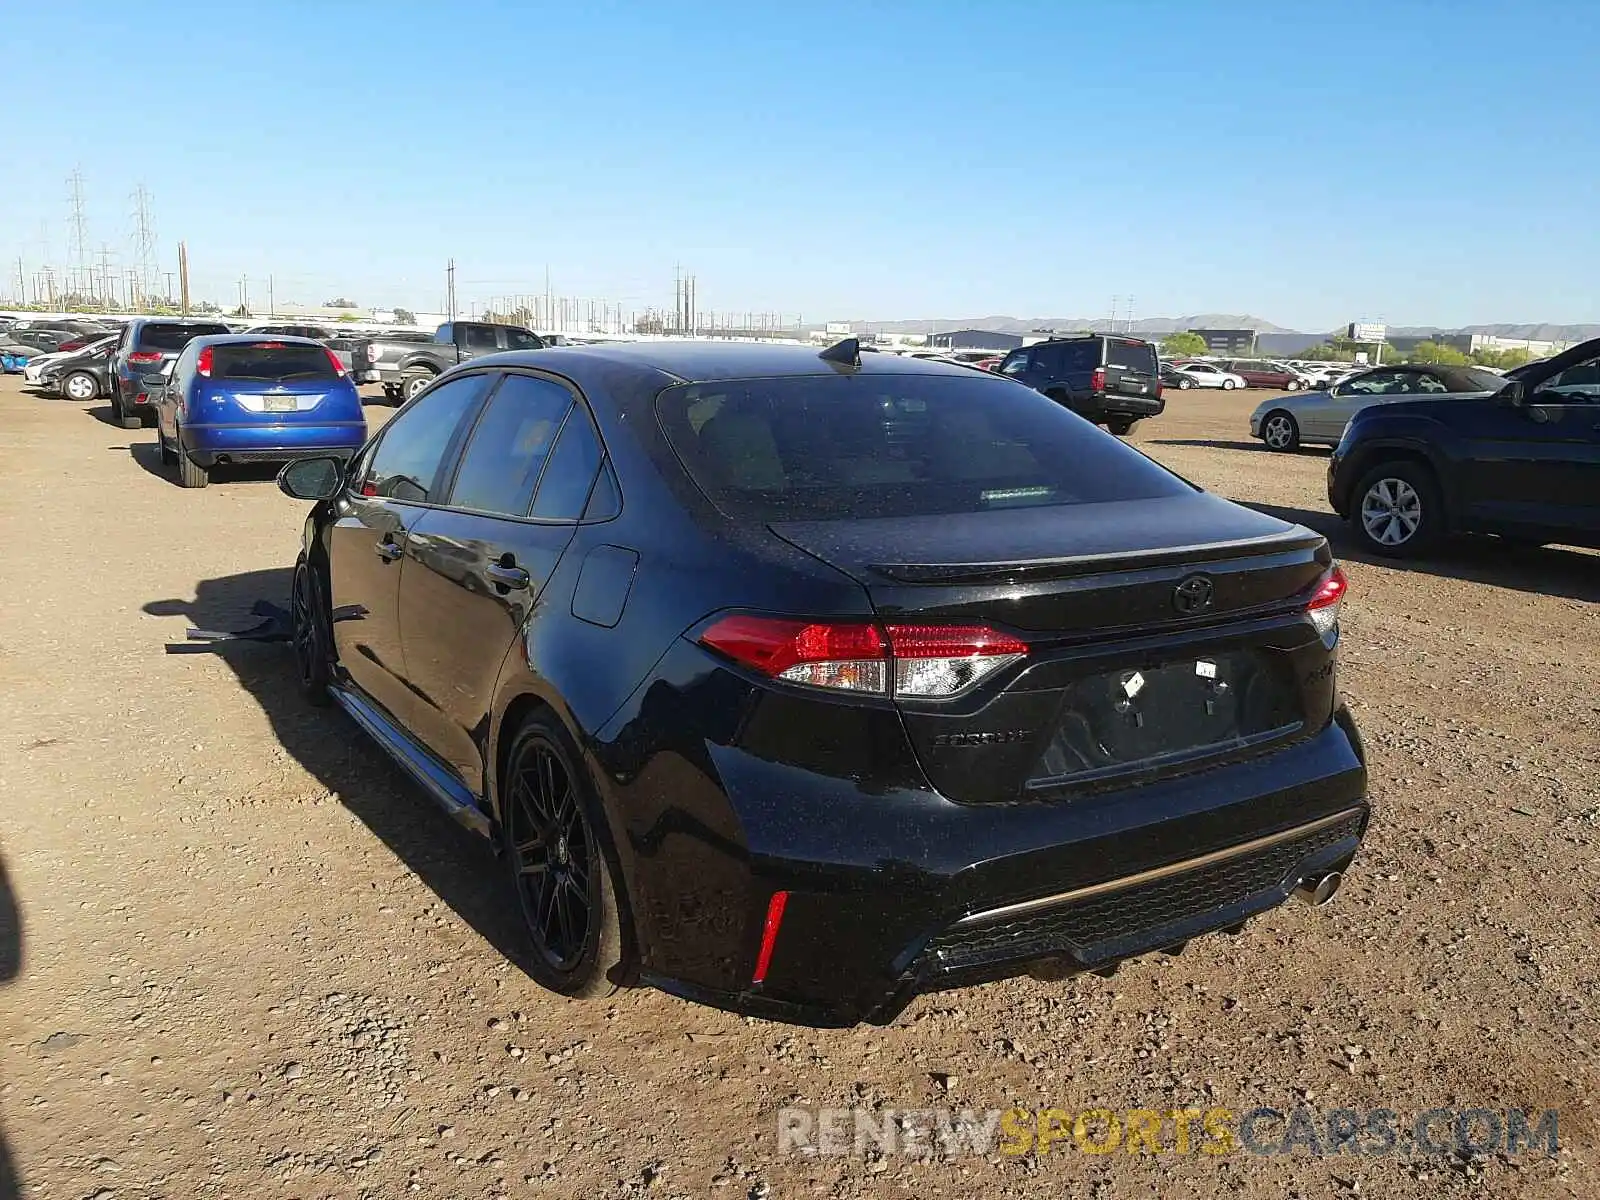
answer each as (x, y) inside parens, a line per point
(769, 934)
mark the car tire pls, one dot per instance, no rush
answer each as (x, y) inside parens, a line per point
(1398, 511)
(414, 382)
(1185, 384)
(310, 636)
(80, 386)
(1228, 385)
(1121, 426)
(1292, 386)
(1280, 431)
(121, 415)
(558, 853)
(190, 473)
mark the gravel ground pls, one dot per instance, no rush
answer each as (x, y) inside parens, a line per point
(247, 959)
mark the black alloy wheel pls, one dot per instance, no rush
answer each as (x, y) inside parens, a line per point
(558, 865)
(308, 634)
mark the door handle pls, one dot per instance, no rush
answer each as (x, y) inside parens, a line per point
(507, 575)
(388, 550)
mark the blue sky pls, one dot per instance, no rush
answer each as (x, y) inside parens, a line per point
(1310, 165)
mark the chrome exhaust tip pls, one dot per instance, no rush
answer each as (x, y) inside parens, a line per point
(1317, 892)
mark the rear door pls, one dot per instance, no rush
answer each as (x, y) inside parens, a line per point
(391, 487)
(478, 567)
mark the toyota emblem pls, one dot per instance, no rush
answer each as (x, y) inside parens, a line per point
(1193, 595)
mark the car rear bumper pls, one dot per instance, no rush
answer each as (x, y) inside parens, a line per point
(208, 445)
(893, 890)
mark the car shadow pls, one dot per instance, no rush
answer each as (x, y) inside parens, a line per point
(1550, 571)
(10, 968)
(148, 456)
(1252, 447)
(458, 866)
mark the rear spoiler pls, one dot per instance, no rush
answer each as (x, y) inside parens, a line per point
(1296, 541)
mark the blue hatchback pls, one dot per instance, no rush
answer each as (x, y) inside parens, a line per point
(245, 398)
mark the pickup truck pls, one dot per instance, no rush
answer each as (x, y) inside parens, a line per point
(406, 366)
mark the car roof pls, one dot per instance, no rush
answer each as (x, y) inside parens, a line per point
(705, 362)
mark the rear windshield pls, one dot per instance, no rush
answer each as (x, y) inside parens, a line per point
(1131, 356)
(269, 362)
(174, 337)
(891, 446)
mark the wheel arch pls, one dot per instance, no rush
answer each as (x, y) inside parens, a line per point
(1370, 455)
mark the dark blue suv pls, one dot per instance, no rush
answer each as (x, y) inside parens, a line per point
(1523, 463)
(147, 347)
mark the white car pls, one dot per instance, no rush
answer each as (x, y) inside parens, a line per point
(1204, 374)
(36, 365)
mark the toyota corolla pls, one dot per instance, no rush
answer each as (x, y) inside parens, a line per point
(800, 684)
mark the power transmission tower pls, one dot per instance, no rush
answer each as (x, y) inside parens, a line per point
(108, 295)
(144, 239)
(78, 233)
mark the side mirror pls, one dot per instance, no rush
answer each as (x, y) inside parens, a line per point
(312, 478)
(1513, 395)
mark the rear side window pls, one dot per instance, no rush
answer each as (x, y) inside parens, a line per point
(521, 339)
(870, 445)
(174, 336)
(510, 445)
(564, 488)
(478, 337)
(275, 363)
(1131, 356)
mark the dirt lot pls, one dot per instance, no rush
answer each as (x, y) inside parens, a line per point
(247, 959)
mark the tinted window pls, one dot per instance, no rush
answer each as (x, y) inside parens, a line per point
(521, 339)
(265, 361)
(1015, 365)
(605, 501)
(406, 463)
(478, 337)
(174, 336)
(865, 446)
(564, 489)
(1471, 379)
(1131, 356)
(509, 447)
(1378, 383)
(1065, 358)
(445, 333)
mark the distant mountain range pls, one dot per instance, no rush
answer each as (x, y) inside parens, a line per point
(1163, 325)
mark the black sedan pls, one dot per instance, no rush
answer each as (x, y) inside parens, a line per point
(801, 684)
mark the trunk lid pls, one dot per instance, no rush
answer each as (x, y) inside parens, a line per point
(1163, 634)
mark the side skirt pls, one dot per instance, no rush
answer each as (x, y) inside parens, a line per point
(443, 787)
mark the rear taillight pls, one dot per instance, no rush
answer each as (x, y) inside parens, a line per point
(145, 356)
(338, 367)
(1325, 601)
(1097, 381)
(915, 661)
(202, 365)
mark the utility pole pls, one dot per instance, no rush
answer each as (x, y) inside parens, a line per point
(78, 231)
(107, 293)
(244, 295)
(183, 275)
(272, 300)
(22, 282)
(450, 289)
(167, 294)
(144, 238)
